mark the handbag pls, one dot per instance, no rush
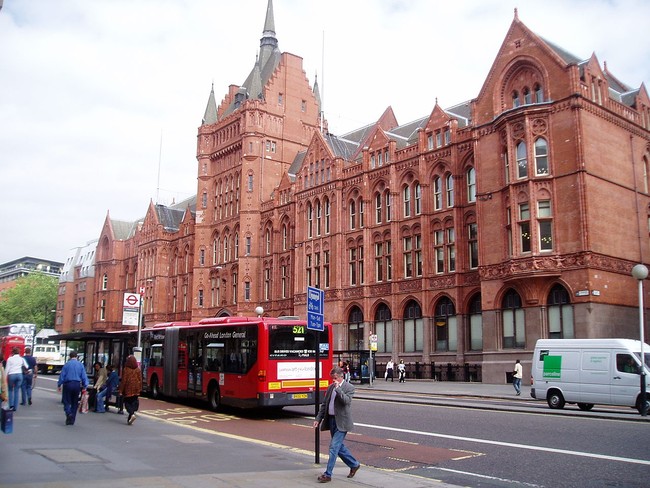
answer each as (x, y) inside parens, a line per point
(7, 421)
(83, 403)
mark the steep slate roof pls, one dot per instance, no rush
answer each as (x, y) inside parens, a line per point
(341, 147)
(407, 133)
(629, 98)
(564, 54)
(123, 229)
(462, 113)
(210, 116)
(296, 165)
(618, 90)
(184, 204)
(169, 218)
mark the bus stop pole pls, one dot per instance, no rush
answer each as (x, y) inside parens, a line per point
(317, 398)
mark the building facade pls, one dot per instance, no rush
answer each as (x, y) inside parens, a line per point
(458, 239)
(12, 270)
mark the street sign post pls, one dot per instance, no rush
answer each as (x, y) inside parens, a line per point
(373, 347)
(316, 322)
(315, 302)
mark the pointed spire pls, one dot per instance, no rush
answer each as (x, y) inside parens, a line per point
(268, 42)
(269, 23)
(316, 92)
(210, 116)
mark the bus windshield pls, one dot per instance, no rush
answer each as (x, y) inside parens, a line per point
(295, 341)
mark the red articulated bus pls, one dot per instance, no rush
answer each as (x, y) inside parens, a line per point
(245, 362)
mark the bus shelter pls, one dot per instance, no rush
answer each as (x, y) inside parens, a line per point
(360, 364)
(105, 347)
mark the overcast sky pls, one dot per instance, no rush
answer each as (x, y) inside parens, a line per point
(90, 88)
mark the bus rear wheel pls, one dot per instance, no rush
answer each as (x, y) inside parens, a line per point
(214, 398)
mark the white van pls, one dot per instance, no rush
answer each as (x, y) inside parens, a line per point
(588, 371)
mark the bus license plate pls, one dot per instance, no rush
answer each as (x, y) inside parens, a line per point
(299, 396)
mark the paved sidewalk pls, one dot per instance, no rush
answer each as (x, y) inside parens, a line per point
(450, 388)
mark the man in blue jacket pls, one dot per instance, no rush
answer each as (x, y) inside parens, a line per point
(74, 380)
(334, 415)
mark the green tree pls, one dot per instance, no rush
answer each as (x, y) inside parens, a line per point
(31, 301)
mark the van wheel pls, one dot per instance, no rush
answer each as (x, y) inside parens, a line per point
(640, 404)
(214, 397)
(555, 399)
(585, 406)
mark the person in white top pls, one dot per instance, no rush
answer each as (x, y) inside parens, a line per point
(401, 369)
(14, 372)
(389, 370)
(517, 374)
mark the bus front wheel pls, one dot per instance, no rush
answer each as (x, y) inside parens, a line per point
(214, 398)
(155, 389)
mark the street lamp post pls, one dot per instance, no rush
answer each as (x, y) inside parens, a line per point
(640, 273)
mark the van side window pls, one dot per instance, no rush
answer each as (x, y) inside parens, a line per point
(626, 364)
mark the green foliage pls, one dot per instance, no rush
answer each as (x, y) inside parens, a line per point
(30, 301)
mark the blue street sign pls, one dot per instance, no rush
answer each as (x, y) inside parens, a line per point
(315, 321)
(315, 298)
(315, 305)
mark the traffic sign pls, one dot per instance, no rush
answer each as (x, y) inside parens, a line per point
(131, 309)
(315, 305)
(315, 321)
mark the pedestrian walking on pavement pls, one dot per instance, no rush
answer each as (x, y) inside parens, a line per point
(29, 378)
(401, 371)
(130, 387)
(14, 372)
(335, 414)
(517, 374)
(389, 370)
(73, 380)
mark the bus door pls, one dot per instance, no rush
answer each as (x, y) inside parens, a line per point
(195, 364)
(182, 370)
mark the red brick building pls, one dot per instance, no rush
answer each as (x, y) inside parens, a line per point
(460, 238)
